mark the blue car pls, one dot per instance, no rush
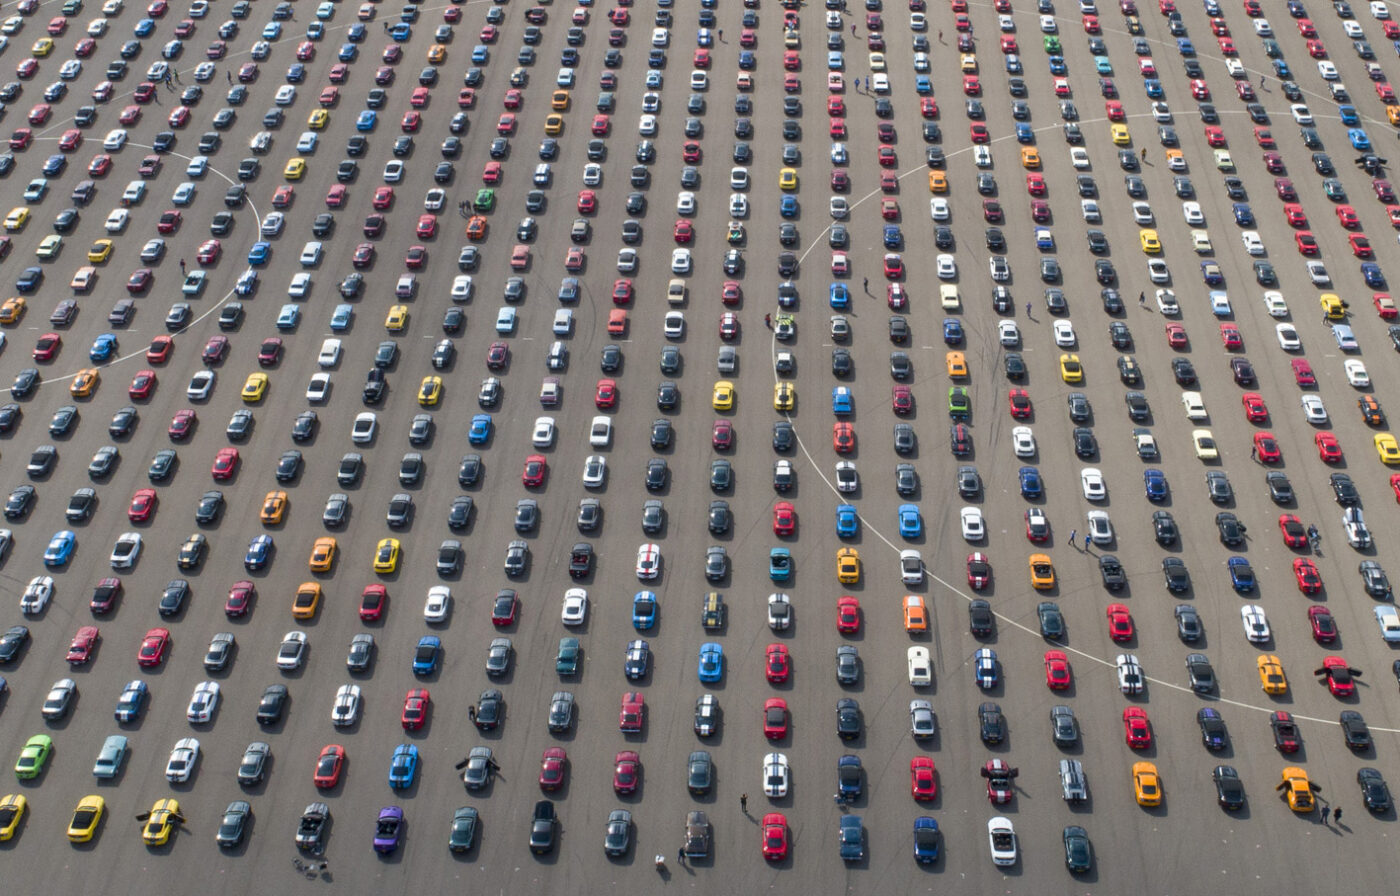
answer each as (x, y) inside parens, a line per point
(103, 347)
(259, 552)
(840, 296)
(985, 668)
(1057, 65)
(296, 73)
(1241, 574)
(480, 53)
(366, 120)
(1349, 115)
(851, 842)
(340, 319)
(288, 317)
(780, 564)
(1154, 481)
(427, 655)
(1210, 273)
(260, 253)
(711, 666)
(1371, 273)
(841, 401)
(1358, 138)
(1185, 47)
(952, 331)
(1244, 215)
(480, 429)
(893, 238)
(849, 776)
(1024, 134)
(315, 31)
(747, 60)
(1153, 88)
(348, 52)
(54, 165)
(1031, 486)
(272, 31)
(787, 206)
(835, 61)
(1044, 238)
(60, 548)
(30, 279)
(1282, 70)
(922, 85)
(144, 27)
(358, 32)
(847, 521)
(403, 767)
(643, 610)
(926, 839)
(911, 525)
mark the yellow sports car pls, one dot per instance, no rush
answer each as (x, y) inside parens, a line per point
(307, 599)
(957, 365)
(1387, 448)
(397, 319)
(1151, 243)
(17, 218)
(437, 54)
(84, 383)
(318, 119)
(100, 251)
(1271, 677)
(274, 508)
(323, 554)
(848, 566)
(430, 391)
(554, 124)
(787, 179)
(295, 169)
(1298, 788)
(162, 820)
(937, 182)
(12, 806)
(1119, 134)
(386, 555)
(42, 47)
(1042, 572)
(12, 310)
(1071, 371)
(255, 387)
(1146, 785)
(724, 396)
(86, 817)
(784, 396)
(559, 100)
(1030, 157)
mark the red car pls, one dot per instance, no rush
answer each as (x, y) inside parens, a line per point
(896, 296)
(383, 198)
(1001, 778)
(1360, 246)
(728, 326)
(505, 126)
(491, 174)
(46, 347)
(979, 133)
(1303, 372)
(240, 599)
(1383, 190)
(153, 647)
(1340, 676)
(784, 518)
(1286, 737)
(209, 252)
(1114, 110)
(629, 717)
(411, 122)
(847, 614)
(1176, 335)
(1328, 448)
(1285, 190)
(415, 709)
(225, 463)
(532, 476)
(1136, 731)
(1395, 486)
(991, 211)
(889, 209)
(1215, 136)
(684, 232)
(777, 665)
(886, 157)
(496, 355)
(283, 195)
(837, 128)
(1305, 571)
(335, 196)
(690, 152)
(142, 385)
(1035, 184)
(415, 257)
(843, 437)
(1255, 411)
(427, 226)
(972, 85)
(179, 116)
(606, 394)
(775, 836)
(372, 602)
(1293, 212)
(1266, 449)
(182, 426)
(922, 781)
(1120, 623)
(622, 291)
(841, 180)
(902, 400)
(1306, 242)
(512, 98)
(374, 225)
(1057, 672)
(553, 766)
(1294, 534)
(894, 266)
(270, 351)
(1324, 627)
(722, 435)
(71, 140)
(1020, 403)
(80, 650)
(328, 766)
(979, 570)
(587, 202)
(100, 165)
(1273, 163)
(775, 718)
(627, 772)
(160, 349)
(1040, 211)
(1200, 90)
(40, 114)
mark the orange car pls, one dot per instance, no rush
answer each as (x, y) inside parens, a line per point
(476, 228)
(617, 322)
(915, 614)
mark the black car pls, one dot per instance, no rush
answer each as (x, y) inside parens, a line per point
(1183, 371)
(20, 502)
(848, 718)
(1374, 791)
(460, 513)
(991, 723)
(304, 427)
(1175, 574)
(841, 364)
(1112, 573)
(1164, 527)
(1354, 730)
(610, 359)
(720, 517)
(1229, 790)
(544, 827)
(1085, 445)
(172, 599)
(979, 618)
(12, 642)
(1344, 489)
(904, 438)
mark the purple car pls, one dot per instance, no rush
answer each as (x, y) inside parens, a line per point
(388, 831)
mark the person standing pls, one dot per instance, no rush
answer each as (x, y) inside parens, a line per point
(744, 803)
(229, 75)
(1337, 815)
(182, 266)
(867, 284)
(1087, 539)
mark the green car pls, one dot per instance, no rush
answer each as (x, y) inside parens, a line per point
(959, 403)
(1052, 44)
(485, 199)
(32, 758)
(567, 661)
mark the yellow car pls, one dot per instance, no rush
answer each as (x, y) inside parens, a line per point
(12, 310)
(295, 169)
(255, 387)
(100, 251)
(1119, 134)
(968, 63)
(554, 124)
(49, 247)
(559, 100)
(1151, 243)
(17, 218)
(957, 365)
(323, 554)
(318, 119)
(724, 396)
(430, 391)
(1147, 786)
(160, 822)
(937, 182)
(1393, 113)
(12, 806)
(791, 39)
(1042, 572)
(1204, 442)
(437, 54)
(86, 817)
(784, 396)
(307, 599)
(1298, 788)
(1030, 157)
(848, 566)
(274, 508)
(1332, 306)
(1387, 448)
(1071, 371)
(42, 47)
(84, 383)
(386, 555)
(787, 179)
(1271, 677)
(397, 319)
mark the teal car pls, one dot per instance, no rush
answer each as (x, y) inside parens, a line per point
(780, 564)
(1102, 65)
(34, 757)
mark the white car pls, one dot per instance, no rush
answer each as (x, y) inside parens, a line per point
(599, 433)
(1079, 158)
(779, 611)
(438, 604)
(947, 267)
(1023, 441)
(36, 595)
(116, 221)
(1356, 373)
(1288, 338)
(182, 760)
(839, 208)
(922, 722)
(1256, 625)
(184, 194)
(1389, 621)
(1166, 302)
(1142, 213)
(1092, 484)
(1354, 524)
(1220, 303)
(575, 609)
(1327, 70)
(115, 139)
(1099, 527)
(329, 355)
(982, 156)
(461, 288)
(739, 205)
(1313, 409)
(1089, 208)
(1317, 273)
(1064, 333)
(1145, 443)
(1195, 406)
(543, 435)
(1203, 441)
(364, 428)
(839, 154)
(203, 702)
(973, 527)
(319, 389)
(775, 775)
(911, 567)
(1008, 333)
(201, 384)
(1301, 114)
(292, 651)
(738, 178)
(627, 260)
(346, 709)
(920, 669)
(685, 203)
(1001, 836)
(1191, 211)
(938, 209)
(648, 561)
(434, 199)
(593, 172)
(393, 171)
(847, 479)
(1200, 242)
(595, 471)
(1252, 243)
(126, 550)
(1130, 679)
(311, 254)
(1158, 272)
(680, 261)
(1274, 304)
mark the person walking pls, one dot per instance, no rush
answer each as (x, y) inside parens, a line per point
(182, 266)
(744, 803)
(768, 321)
(1028, 309)
(1072, 534)
(1086, 541)
(229, 75)
(866, 284)
(471, 713)
(680, 856)
(1142, 299)
(1337, 815)
(721, 34)
(1144, 153)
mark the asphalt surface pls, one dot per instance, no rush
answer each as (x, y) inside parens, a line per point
(1147, 850)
